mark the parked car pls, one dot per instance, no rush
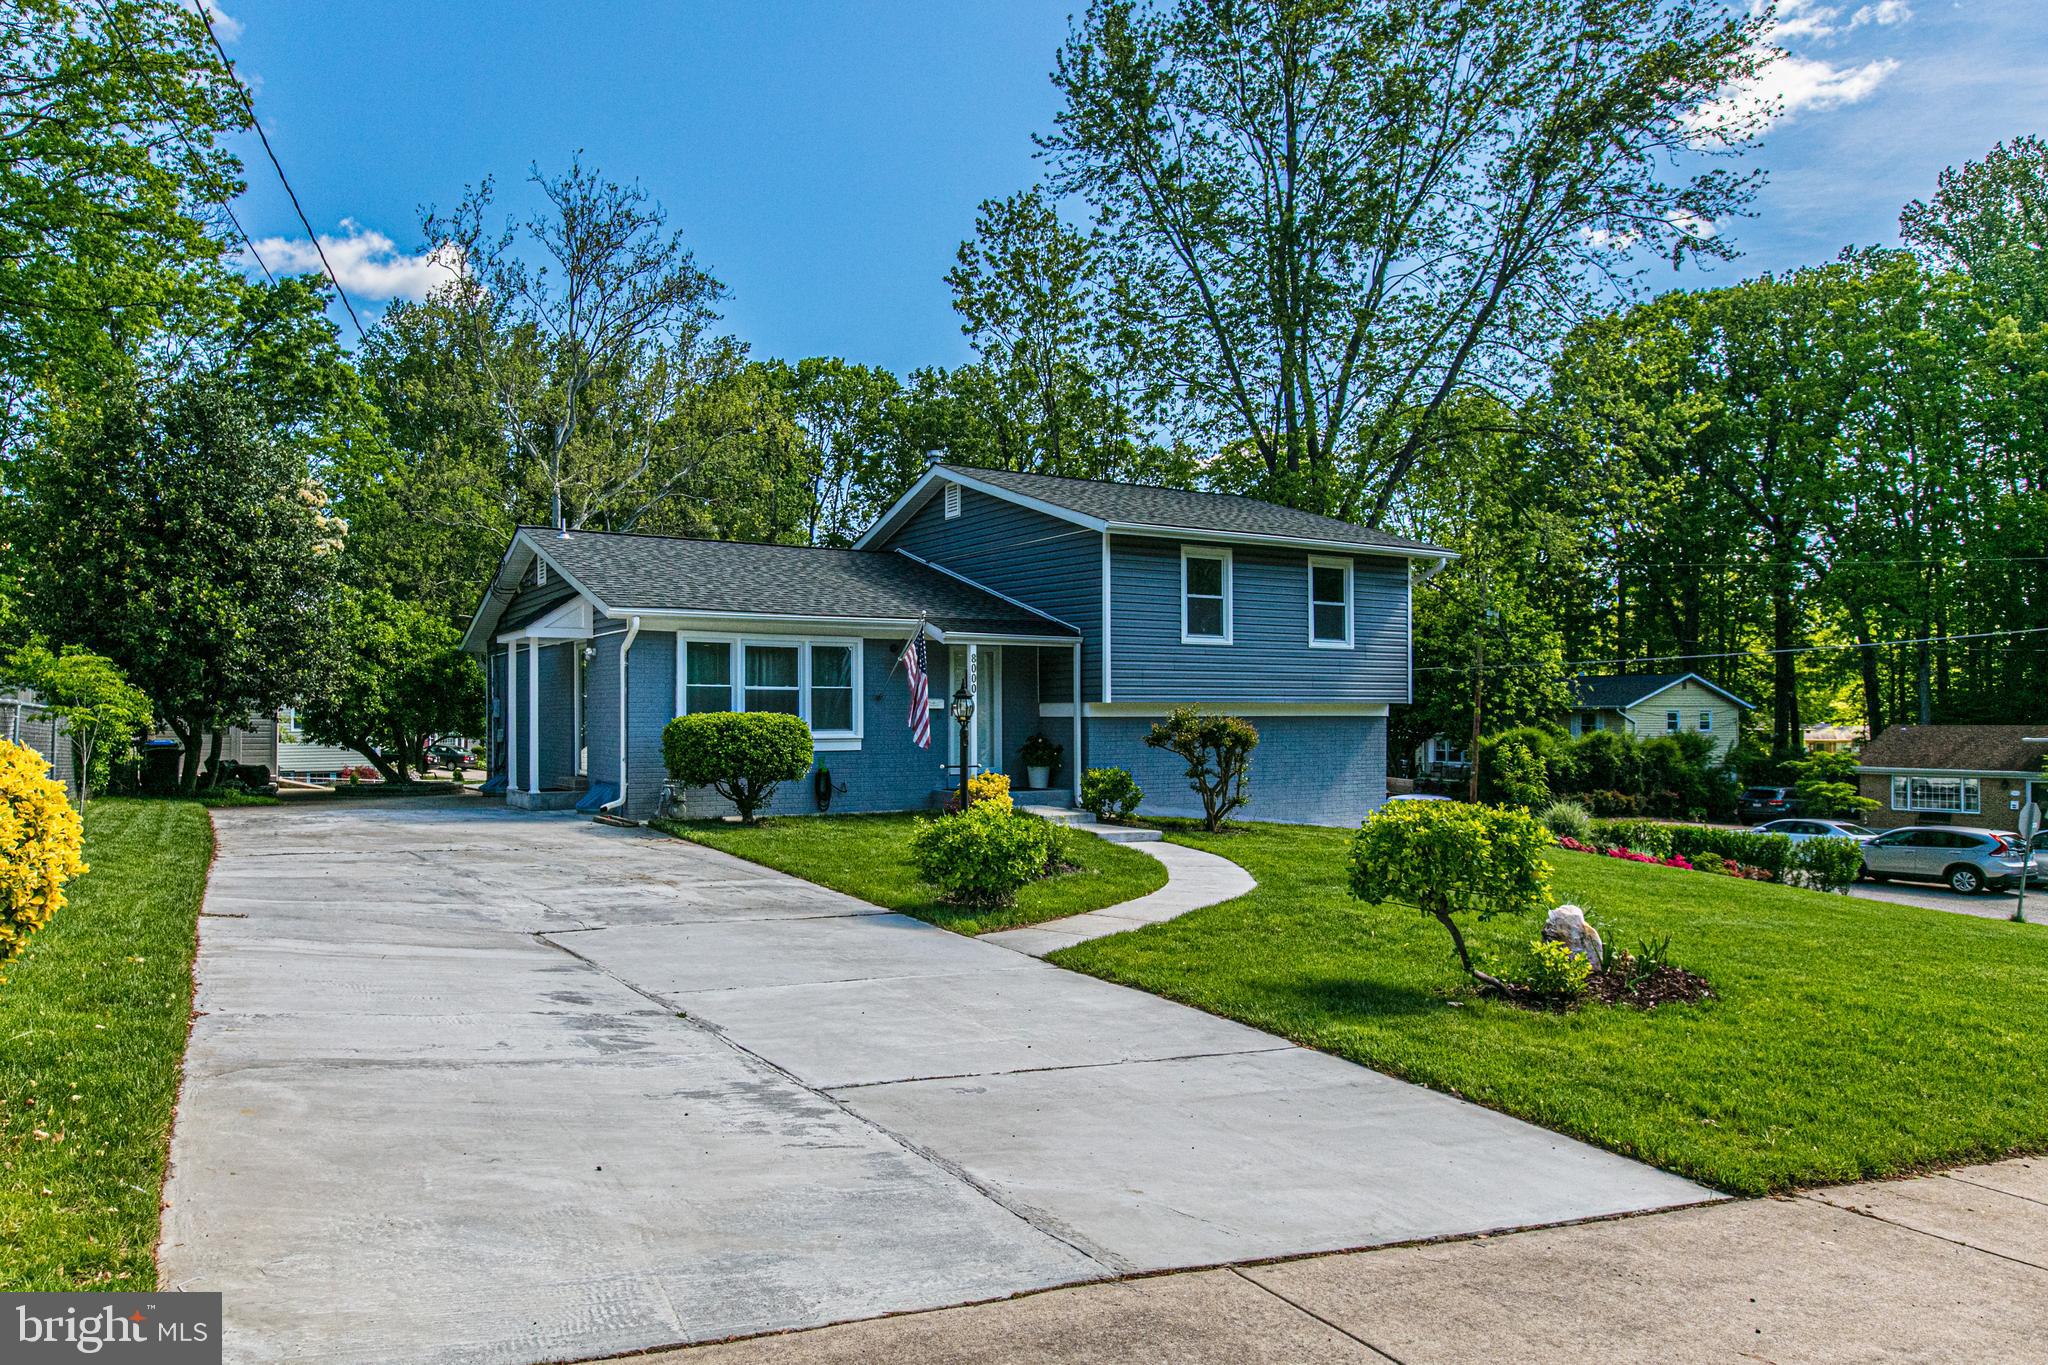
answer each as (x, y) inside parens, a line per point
(1967, 860)
(1767, 803)
(452, 756)
(1800, 830)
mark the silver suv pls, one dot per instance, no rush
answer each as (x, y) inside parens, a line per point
(1967, 860)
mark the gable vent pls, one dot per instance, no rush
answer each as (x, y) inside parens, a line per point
(952, 501)
(540, 573)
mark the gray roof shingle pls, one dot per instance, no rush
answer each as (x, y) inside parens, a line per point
(668, 574)
(1183, 509)
(1958, 748)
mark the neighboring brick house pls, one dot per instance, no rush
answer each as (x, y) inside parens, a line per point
(1083, 610)
(1647, 705)
(1977, 775)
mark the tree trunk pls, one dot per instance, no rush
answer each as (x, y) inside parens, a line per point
(187, 732)
(1464, 957)
(213, 752)
(1784, 671)
(1873, 690)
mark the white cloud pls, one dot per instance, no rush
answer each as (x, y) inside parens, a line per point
(368, 264)
(1884, 13)
(1693, 224)
(227, 26)
(1792, 85)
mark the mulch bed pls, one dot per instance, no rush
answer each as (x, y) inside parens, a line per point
(1664, 985)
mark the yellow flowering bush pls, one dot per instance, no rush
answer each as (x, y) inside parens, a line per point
(41, 840)
(991, 787)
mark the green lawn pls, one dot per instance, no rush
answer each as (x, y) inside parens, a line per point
(869, 856)
(94, 1017)
(1851, 1038)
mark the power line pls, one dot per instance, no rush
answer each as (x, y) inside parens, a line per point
(1748, 653)
(178, 127)
(249, 104)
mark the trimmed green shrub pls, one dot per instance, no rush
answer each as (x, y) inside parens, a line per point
(1567, 820)
(1827, 786)
(1218, 752)
(1555, 972)
(1110, 793)
(1644, 836)
(741, 755)
(1771, 852)
(1828, 864)
(1447, 858)
(1519, 776)
(981, 855)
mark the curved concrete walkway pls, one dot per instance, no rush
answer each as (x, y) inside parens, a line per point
(1193, 879)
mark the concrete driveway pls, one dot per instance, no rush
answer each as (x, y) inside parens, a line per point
(1984, 905)
(469, 1085)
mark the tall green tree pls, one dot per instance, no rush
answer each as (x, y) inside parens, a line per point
(391, 677)
(1327, 216)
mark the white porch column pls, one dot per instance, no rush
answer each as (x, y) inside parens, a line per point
(533, 716)
(511, 714)
(971, 759)
(1074, 762)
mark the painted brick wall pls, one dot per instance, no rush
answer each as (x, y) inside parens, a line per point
(1052, 565)
(888, 772)
(601, 696)
(1269, 658)
(1307, 770)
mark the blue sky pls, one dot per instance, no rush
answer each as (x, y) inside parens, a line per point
(825, 159)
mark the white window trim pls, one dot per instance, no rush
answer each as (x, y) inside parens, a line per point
(1706, 722)
(1969, 795)
(826, 741)
(1350, 604)
(1223, 555)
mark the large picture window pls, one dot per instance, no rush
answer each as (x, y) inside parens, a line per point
(1954, 795)
(1205, 596)
(817, 680)
(775, 678)
(1329, 603)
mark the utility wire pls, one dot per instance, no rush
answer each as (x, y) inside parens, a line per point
(249, 104)
(178, 127)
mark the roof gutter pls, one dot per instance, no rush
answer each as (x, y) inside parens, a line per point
(625, 657)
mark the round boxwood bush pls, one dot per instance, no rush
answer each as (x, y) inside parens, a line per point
(982, 855)
(741, 755)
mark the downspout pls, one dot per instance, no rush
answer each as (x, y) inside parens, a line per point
(625, 657)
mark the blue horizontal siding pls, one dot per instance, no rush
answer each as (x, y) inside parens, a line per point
(1269, 658)
(1041, 561)
(1307, 770)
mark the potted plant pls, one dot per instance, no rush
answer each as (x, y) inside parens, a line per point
(1041, 756)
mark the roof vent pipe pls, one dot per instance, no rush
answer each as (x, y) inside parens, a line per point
(625, 657)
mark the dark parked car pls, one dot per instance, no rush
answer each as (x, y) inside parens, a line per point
(1758, 804)
(1966, 860)
(451, 756)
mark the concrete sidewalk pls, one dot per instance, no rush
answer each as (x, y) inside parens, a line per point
(1951, 1267)
(1193, 879)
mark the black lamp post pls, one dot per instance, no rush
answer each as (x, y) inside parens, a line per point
(963, 715)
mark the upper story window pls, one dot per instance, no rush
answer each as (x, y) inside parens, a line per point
(818, 680)
(952, 501)
(1329, 603)
(1204, 596)
(1706, 722)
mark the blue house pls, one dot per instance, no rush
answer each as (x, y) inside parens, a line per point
(1072, 608)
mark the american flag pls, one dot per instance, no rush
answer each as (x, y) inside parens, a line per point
(920, 690)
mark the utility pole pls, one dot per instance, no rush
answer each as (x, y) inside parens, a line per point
(1478, 682)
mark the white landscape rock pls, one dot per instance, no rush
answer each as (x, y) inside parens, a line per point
(1567, 924)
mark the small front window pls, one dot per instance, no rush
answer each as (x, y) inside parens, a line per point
(707, 676)
(1706, 722)
(832, 689)
(772, 674)
(1329, 602)
(1205, 596)
(1671, 722)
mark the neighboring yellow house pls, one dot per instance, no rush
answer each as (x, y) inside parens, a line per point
(1647, 705)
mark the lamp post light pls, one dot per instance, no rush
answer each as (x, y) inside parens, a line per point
(963, 716)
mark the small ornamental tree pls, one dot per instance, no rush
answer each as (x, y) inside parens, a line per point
(1826, 783)
(1447, 858)
(1218, 752)
(743, 756)
(93, 700)
(41, 842)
